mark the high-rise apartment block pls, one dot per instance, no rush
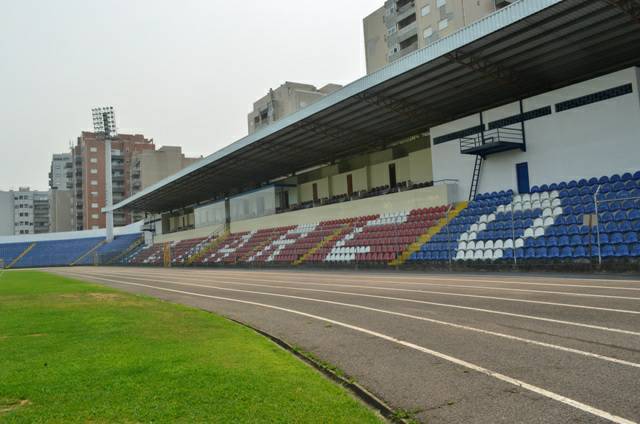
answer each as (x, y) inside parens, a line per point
(24, 211)
(89, 176)
(400, 27)
(289, 98)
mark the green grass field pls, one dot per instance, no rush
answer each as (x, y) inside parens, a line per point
(76, 352)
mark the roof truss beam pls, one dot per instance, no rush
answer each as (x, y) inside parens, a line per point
(630, 7)
(409, 111)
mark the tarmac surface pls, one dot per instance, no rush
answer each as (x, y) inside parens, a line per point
(448, 348)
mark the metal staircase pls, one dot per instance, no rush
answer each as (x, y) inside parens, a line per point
(475, 179)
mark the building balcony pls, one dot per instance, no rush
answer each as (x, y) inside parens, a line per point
(493, 141)
(410, 48)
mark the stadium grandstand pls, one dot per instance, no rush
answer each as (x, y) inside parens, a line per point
(512, 141)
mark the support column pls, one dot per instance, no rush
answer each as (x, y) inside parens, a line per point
(108, 178)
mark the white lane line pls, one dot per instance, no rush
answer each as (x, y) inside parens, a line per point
(402, 299)
(478, 296)
(400, 314)
(431, 278)
(603, 296)
(513, 381)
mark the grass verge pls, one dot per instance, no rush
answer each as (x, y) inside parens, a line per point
(76, 352)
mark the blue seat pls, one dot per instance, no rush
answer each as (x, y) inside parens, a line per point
(626, 176)
(562, 185)
(616, 238)
(614, 178)
(572, 184)
(606, 217)
(636, 175)
(529, 243)
(580, 252)
(551, 241)
(544, 187)
(635, 250)
(634, 214)
(566, 252)
(593, 181)
(618, 186)
(530, 253)
(507, 254)
(540, 242)
(608, 251)
(603, 180)
(535, 189)
(576, 240)
(582, 182)
(541, 253)
(553, 187)
(625, 226)
(553, 252)
(573, 229)
(519, 253)
(622, 251)
(631, 237)
(610, 227)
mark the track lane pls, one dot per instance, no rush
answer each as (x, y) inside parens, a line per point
(409, 334)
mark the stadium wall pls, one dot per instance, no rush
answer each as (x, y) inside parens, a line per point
(600, 138)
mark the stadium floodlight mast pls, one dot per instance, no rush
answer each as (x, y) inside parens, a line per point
(104, 122)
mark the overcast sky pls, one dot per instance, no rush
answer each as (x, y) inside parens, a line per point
(181, 72)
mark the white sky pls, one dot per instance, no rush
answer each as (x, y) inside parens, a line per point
(183, 72)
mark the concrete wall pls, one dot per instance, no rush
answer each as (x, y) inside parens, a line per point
(593, 140)
(421, 198)
(60, 210)
(375, 41)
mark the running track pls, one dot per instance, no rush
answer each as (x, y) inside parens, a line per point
(452, 348)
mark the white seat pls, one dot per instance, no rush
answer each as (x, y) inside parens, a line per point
(547, 212)
(554, 194)
(483, 219)
(519, 243)
(548, 222)
(545, 195)
(499, 244)
(539, 232)
(546, 203)
(526, 198)
(508, 208)
(462, 245)
(482, 227)
(538, 222)
(536, 204)
(517, 199)
(478, 255)
(473, 236)
(471, 245)
(464, 236)
(500, 209)
(517, 207)
(474, 228)
(535, 197)
(460, 255)
(528, 232)
(488, 255)
(488, 245)
(556, 202)
(498, 254)
(557, 211)
(480, 245)
(526, 206)
(468, 255)
(491, 218)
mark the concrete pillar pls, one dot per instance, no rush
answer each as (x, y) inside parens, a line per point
(108, 179)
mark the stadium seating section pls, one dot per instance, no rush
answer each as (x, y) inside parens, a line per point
(546, 224)
(65, 252)
(555, 222)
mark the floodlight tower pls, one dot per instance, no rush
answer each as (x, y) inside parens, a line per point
(104, 122)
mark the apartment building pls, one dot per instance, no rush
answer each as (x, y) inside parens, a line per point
(24, 211)
(89, 185)
(289, 98)
(150, 166)
(401, 27)
(60, 173)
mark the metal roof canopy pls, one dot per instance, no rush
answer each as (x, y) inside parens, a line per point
(525, 49)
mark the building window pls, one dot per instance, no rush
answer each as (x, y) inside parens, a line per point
(94, 171)
(93, 149)
(94, 182)
(426, 10)
(94, 227)
(93, 160)
(94, 216)
(443, 24)
(94, 205)
(441, 3)
(94, 193)
(427, 33)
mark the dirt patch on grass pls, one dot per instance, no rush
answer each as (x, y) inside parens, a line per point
(10, 405)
